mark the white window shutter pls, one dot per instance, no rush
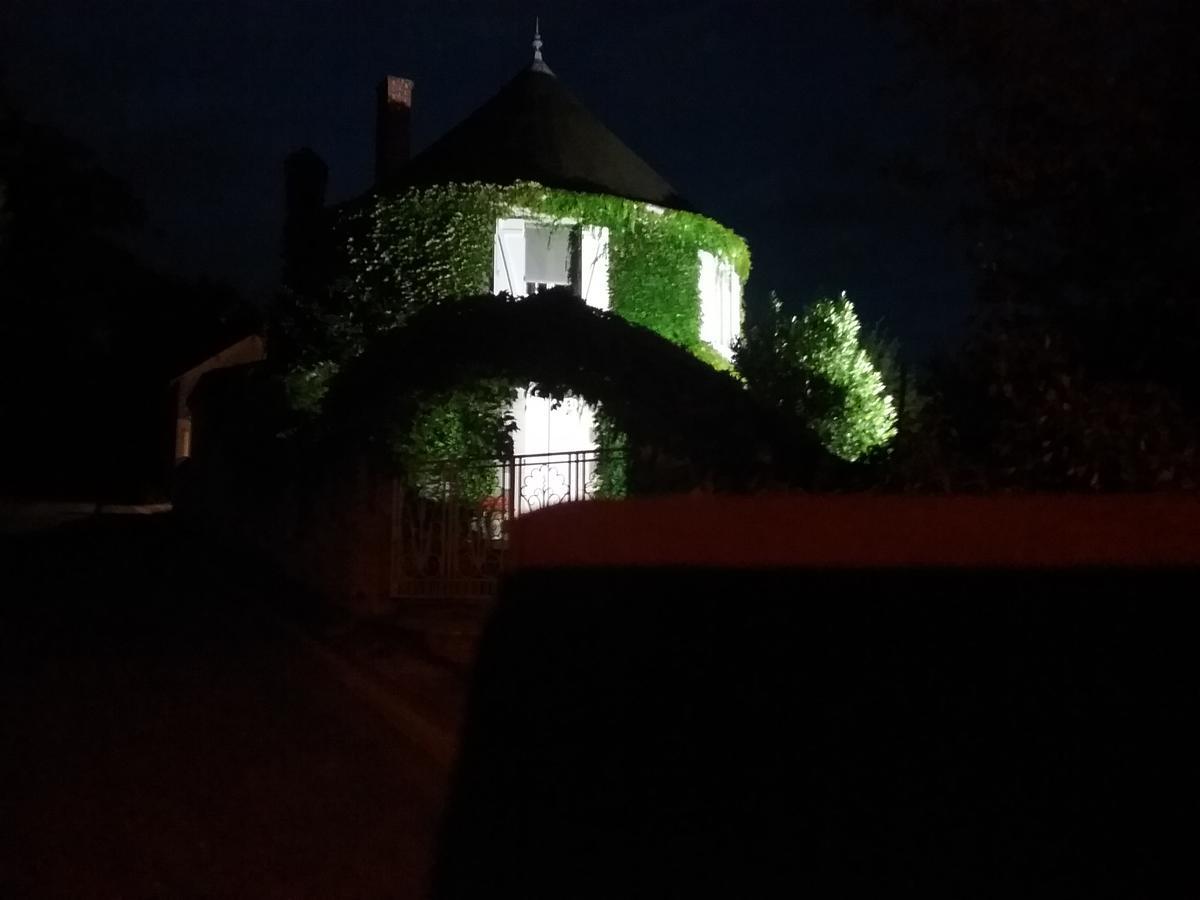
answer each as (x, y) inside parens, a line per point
(735, 309)
(508, 272)
(593, 247)
(709, 289)
(720, 303)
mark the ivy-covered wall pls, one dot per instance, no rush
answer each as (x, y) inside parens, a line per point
(395, 255)
(406, 250)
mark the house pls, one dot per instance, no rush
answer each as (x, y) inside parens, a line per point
(246, 349)
(529, 192)
(529, 195)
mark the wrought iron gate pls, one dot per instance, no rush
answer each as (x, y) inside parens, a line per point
(450, 528)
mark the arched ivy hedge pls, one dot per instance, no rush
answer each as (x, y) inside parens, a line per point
(666, 400)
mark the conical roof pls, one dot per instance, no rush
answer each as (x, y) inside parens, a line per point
(536, 130)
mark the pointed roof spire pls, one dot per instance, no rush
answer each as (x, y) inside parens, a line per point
(539, 64)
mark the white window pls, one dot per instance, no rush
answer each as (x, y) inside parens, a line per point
(532, 255)
(548, 256)
(720, 303)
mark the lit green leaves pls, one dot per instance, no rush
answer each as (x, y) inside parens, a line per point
(814, 365)
(427, 244)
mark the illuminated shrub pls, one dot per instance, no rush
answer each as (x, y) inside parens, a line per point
(814, 366)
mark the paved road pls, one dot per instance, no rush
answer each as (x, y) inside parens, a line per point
(162, 737)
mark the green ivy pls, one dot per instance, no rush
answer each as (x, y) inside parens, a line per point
(404, 252)
(409, 249)
(305, 386)
(708, 353)
(612, 465)
(466, 428)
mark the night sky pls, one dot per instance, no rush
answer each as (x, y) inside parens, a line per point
(777, 119)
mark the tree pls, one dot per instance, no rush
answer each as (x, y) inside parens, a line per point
(900, 381)
(90, 335)
(1072, 124)
(814, 366)
(1030, 415)
(5, 225)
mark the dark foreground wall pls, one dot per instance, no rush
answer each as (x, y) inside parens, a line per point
(331, 534)
(978, 723)
(326, 527)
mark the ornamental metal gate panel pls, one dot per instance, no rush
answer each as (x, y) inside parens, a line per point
(449, 523)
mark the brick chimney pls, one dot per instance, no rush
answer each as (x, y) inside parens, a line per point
(393, 123)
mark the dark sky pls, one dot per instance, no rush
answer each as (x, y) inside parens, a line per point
(776, 118)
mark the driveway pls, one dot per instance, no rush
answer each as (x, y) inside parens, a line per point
(164, 736)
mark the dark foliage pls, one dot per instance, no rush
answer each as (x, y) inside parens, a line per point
(90, 336)
(1074, 124)
(1027, 413)
(687, 423)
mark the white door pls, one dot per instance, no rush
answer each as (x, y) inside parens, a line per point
(554, 451)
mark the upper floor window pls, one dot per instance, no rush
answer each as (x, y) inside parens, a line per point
(549, 256)
(532, 255)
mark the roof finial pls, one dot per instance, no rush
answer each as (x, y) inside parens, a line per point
(539, 64)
